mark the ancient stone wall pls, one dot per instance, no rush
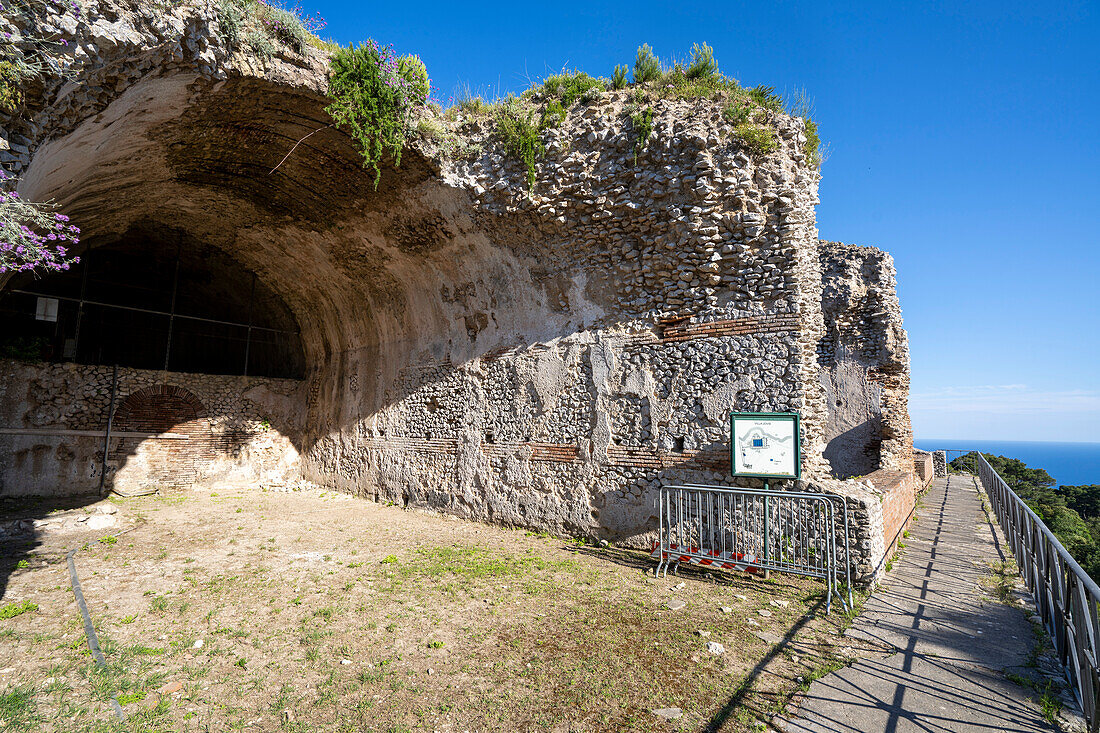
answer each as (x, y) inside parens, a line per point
(53, 418)
(542, 355)
(864, 360)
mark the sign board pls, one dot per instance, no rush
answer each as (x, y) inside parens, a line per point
(765, 444)
(46, 310)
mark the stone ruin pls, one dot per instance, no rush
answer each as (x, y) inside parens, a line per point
(542, 357)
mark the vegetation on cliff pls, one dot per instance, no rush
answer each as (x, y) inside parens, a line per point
(33, 236)
(520, 120)
(258, 26)
(377, 97)
(1071, 512)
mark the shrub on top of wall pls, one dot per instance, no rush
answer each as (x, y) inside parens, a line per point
(646, 65)
(377, 97)
(750, 111)
(258, 25)
(759, 139)
(569, 88)
(618, 78)
(702, 65)
(766, 97)
(517, 128)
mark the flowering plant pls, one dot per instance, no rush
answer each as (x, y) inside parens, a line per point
(378, 97)
(29, 56)
(32, 236)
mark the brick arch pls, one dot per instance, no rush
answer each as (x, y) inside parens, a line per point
(158, 409)
(162, 462)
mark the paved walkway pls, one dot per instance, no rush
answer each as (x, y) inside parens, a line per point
(953, 643)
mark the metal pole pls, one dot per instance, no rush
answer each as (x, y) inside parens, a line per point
(248, 336)
(154, 312)
(110, 422)
(767, 532)
(172, 312)
(80, 306)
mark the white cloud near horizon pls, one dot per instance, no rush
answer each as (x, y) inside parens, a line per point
(1006, 412)
(1004, 398)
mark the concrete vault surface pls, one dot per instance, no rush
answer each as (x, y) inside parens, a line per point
(543, 356)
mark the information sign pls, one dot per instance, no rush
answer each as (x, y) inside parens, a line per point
(765, 444)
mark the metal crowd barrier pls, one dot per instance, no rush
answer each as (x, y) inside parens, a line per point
(752, 530)
(1066, 597)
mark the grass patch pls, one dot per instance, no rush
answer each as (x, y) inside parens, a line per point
(131, 697)
(11, 610)
(1002, 581)
(17, 707)
(471, 563)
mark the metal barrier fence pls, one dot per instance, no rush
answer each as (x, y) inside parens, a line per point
(1065, 595)
(753, 530)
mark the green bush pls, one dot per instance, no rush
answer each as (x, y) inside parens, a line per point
(677, 84)
(759, 139)
(12, 77)
(766, 97)
(703, 65)
(646, 65)
(21, 349)
(812, 147)
(412, 69)
(642, 120)
(618, 78)
(738, 112)
(569, 88)
(258, 26)
(377, 98)
(520, 134)
(282, 25)
(553, 115)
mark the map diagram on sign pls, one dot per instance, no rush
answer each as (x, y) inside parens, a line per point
(764, 446)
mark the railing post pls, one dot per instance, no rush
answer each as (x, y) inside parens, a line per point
(767, 532)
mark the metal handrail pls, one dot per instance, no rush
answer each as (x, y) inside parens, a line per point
(1065, 596)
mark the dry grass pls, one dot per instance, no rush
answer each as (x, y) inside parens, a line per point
(320, 612)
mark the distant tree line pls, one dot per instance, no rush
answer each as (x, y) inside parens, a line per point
(1071, 512)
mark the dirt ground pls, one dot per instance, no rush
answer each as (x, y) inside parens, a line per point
(243, 609)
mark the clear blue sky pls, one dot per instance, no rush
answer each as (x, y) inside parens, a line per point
(964, 139)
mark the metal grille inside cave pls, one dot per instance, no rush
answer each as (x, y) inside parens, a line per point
(147, 304)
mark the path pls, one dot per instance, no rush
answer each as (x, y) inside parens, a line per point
(954, 642)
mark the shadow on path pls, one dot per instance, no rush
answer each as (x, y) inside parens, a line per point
(954, 642)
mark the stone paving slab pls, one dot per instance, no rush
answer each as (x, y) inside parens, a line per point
(947, 645)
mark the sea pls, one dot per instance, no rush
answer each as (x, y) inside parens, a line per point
(1071, 464)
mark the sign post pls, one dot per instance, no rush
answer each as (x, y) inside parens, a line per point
(765, 445)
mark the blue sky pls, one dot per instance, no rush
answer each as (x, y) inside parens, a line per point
(964, 139)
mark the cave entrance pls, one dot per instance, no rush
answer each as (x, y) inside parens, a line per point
(153, 299)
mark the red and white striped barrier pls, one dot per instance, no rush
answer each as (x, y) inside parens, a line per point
(704, 558)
